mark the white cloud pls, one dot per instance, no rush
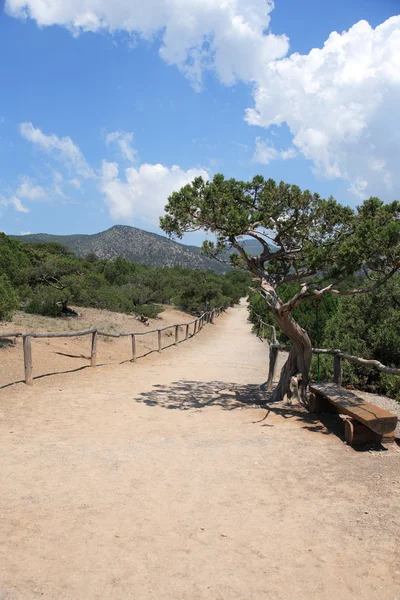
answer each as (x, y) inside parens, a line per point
(144, 191)
(24, 233)
(227, 36)
(141, 193)
(266, 152)
(340, 102)
(75, 183)
(26, 190)
(15, 202)
(342, 106)
(29, 190)
(63, 148)
(124, 141)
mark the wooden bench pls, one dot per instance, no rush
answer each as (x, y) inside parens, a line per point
(365, 423)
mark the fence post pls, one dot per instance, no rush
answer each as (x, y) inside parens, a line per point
(195, 327)
(273, 355)
(187, 332)
(176, 334)
(133, 347)
(337, 370)
(27, 359)
(93, 352)
(212, 316)
(159, 340)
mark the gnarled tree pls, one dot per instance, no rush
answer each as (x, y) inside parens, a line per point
(319, 244)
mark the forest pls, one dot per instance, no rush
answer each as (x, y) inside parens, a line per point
(46, 278)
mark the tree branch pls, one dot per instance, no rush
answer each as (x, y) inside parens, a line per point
(52, 284)
(249, 262)
(297, 276)
(302, 296)
(380, 282)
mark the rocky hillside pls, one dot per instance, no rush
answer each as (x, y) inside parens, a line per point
(135, 245)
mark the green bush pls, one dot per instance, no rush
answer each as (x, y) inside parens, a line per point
(151, 311)
(8, 299)
(46, 301)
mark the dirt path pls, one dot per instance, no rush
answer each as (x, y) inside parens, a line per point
(163, 480)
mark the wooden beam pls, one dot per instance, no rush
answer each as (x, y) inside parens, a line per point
(9, 335)
(93, 352)
(370, 363)
(62, 334)
(337, 370)
(159, 340)
(133, 347)
(273, 355)
(28, 359)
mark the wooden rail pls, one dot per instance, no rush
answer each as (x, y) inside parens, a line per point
(271, 327)
(198, 323)
(337, 359)
(337, 362)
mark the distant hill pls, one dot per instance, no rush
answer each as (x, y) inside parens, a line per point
(135, 245)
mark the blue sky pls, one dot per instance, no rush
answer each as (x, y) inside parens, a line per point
(105, 110)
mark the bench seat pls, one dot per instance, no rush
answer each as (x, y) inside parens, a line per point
(329, 397)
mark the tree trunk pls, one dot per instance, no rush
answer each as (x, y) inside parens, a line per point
(299, 359)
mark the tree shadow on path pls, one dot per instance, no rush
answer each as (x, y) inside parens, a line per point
(188, 395)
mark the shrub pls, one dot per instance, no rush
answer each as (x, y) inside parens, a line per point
(46, 302)
(8, 299)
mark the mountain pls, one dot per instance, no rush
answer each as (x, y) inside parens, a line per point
(135, 245)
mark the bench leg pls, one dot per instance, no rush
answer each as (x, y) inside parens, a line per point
(356, 434)
(319, 404)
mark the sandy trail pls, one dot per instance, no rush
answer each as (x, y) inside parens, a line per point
(163, 480)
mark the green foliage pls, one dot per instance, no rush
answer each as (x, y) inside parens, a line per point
(297, 221)
(367, 326)
(14, 261)
(309, 249)
(47, 277)
(8, 298)
(302, 237)
(46, 302)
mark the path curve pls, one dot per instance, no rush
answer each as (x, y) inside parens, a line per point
(164, 480)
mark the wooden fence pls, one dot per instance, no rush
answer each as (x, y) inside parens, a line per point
(274, 348)
(198, 324)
